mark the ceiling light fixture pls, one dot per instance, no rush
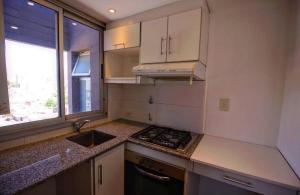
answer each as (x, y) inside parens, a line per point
(74, 23)
(30, 3)
(112, 11)
(14, 27)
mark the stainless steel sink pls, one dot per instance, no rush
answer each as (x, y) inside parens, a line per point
(91, 138)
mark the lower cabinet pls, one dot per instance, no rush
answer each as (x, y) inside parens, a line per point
(205, 180)
(75, 181)
(109, 172)
(47, 187)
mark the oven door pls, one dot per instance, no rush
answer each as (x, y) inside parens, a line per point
(142, 181)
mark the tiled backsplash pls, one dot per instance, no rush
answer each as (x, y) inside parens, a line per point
(175, 104)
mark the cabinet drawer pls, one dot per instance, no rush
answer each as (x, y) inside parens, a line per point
(122, 37)
(241, 181)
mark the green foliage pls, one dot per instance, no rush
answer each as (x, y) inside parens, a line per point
(50, 103)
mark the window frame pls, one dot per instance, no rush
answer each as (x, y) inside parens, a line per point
(4, 98)
(63, 120)
(96, 113)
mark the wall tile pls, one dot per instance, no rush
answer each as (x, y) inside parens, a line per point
(114, 92)
(139, 92)
(138, 111)
(180, 117)
(114, 109)
(181, 93)
(114, 101)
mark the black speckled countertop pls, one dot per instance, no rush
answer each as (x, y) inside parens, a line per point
(27, 165)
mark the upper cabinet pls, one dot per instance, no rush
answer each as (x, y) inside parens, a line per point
(184, 36)
(154, 41)
(122, 37)
(180, 37)
(122, 51)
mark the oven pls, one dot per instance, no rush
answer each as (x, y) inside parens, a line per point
(144, 176)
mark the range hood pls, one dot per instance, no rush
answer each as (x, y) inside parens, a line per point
(188, 70)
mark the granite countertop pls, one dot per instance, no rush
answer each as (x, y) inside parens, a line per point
(27, 165)
(259, 162)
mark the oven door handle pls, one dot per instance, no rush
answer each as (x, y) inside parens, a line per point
(151, 175)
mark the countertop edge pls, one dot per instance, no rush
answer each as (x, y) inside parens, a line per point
(247, 175)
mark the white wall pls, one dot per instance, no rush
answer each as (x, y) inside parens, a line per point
(246, 63)
(289, 134)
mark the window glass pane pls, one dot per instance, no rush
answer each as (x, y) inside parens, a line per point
(81, 67)
(31, 62)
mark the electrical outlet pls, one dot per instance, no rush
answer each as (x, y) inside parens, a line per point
(224, 104)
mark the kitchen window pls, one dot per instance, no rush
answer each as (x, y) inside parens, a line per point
(30, 56)
(81, 65)
(52, 63)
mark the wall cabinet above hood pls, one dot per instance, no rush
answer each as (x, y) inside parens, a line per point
(177, 38)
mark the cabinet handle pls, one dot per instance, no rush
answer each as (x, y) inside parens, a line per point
(100, 174)
(161, 46)
(170, 45)
(237, 181)
(115, 45)
(151, 175)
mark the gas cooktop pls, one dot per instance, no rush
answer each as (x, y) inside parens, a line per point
(167, 137)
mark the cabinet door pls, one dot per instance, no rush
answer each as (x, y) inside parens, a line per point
(122, 37)
(154, 41)
(109, 172)
(4, 104)
(184, 36)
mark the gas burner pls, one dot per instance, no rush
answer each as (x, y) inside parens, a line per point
(163, 136)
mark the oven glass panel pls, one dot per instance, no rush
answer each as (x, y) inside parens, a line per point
(139, 184)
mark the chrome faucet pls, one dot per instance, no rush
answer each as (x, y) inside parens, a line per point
(77, 125)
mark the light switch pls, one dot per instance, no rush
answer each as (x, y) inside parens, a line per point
(224, 104)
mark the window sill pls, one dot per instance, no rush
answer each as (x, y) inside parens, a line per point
(33, 128)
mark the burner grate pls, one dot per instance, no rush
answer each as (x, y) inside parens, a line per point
(164, 136)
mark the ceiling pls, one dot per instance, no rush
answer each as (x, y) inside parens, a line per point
(99, 8)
